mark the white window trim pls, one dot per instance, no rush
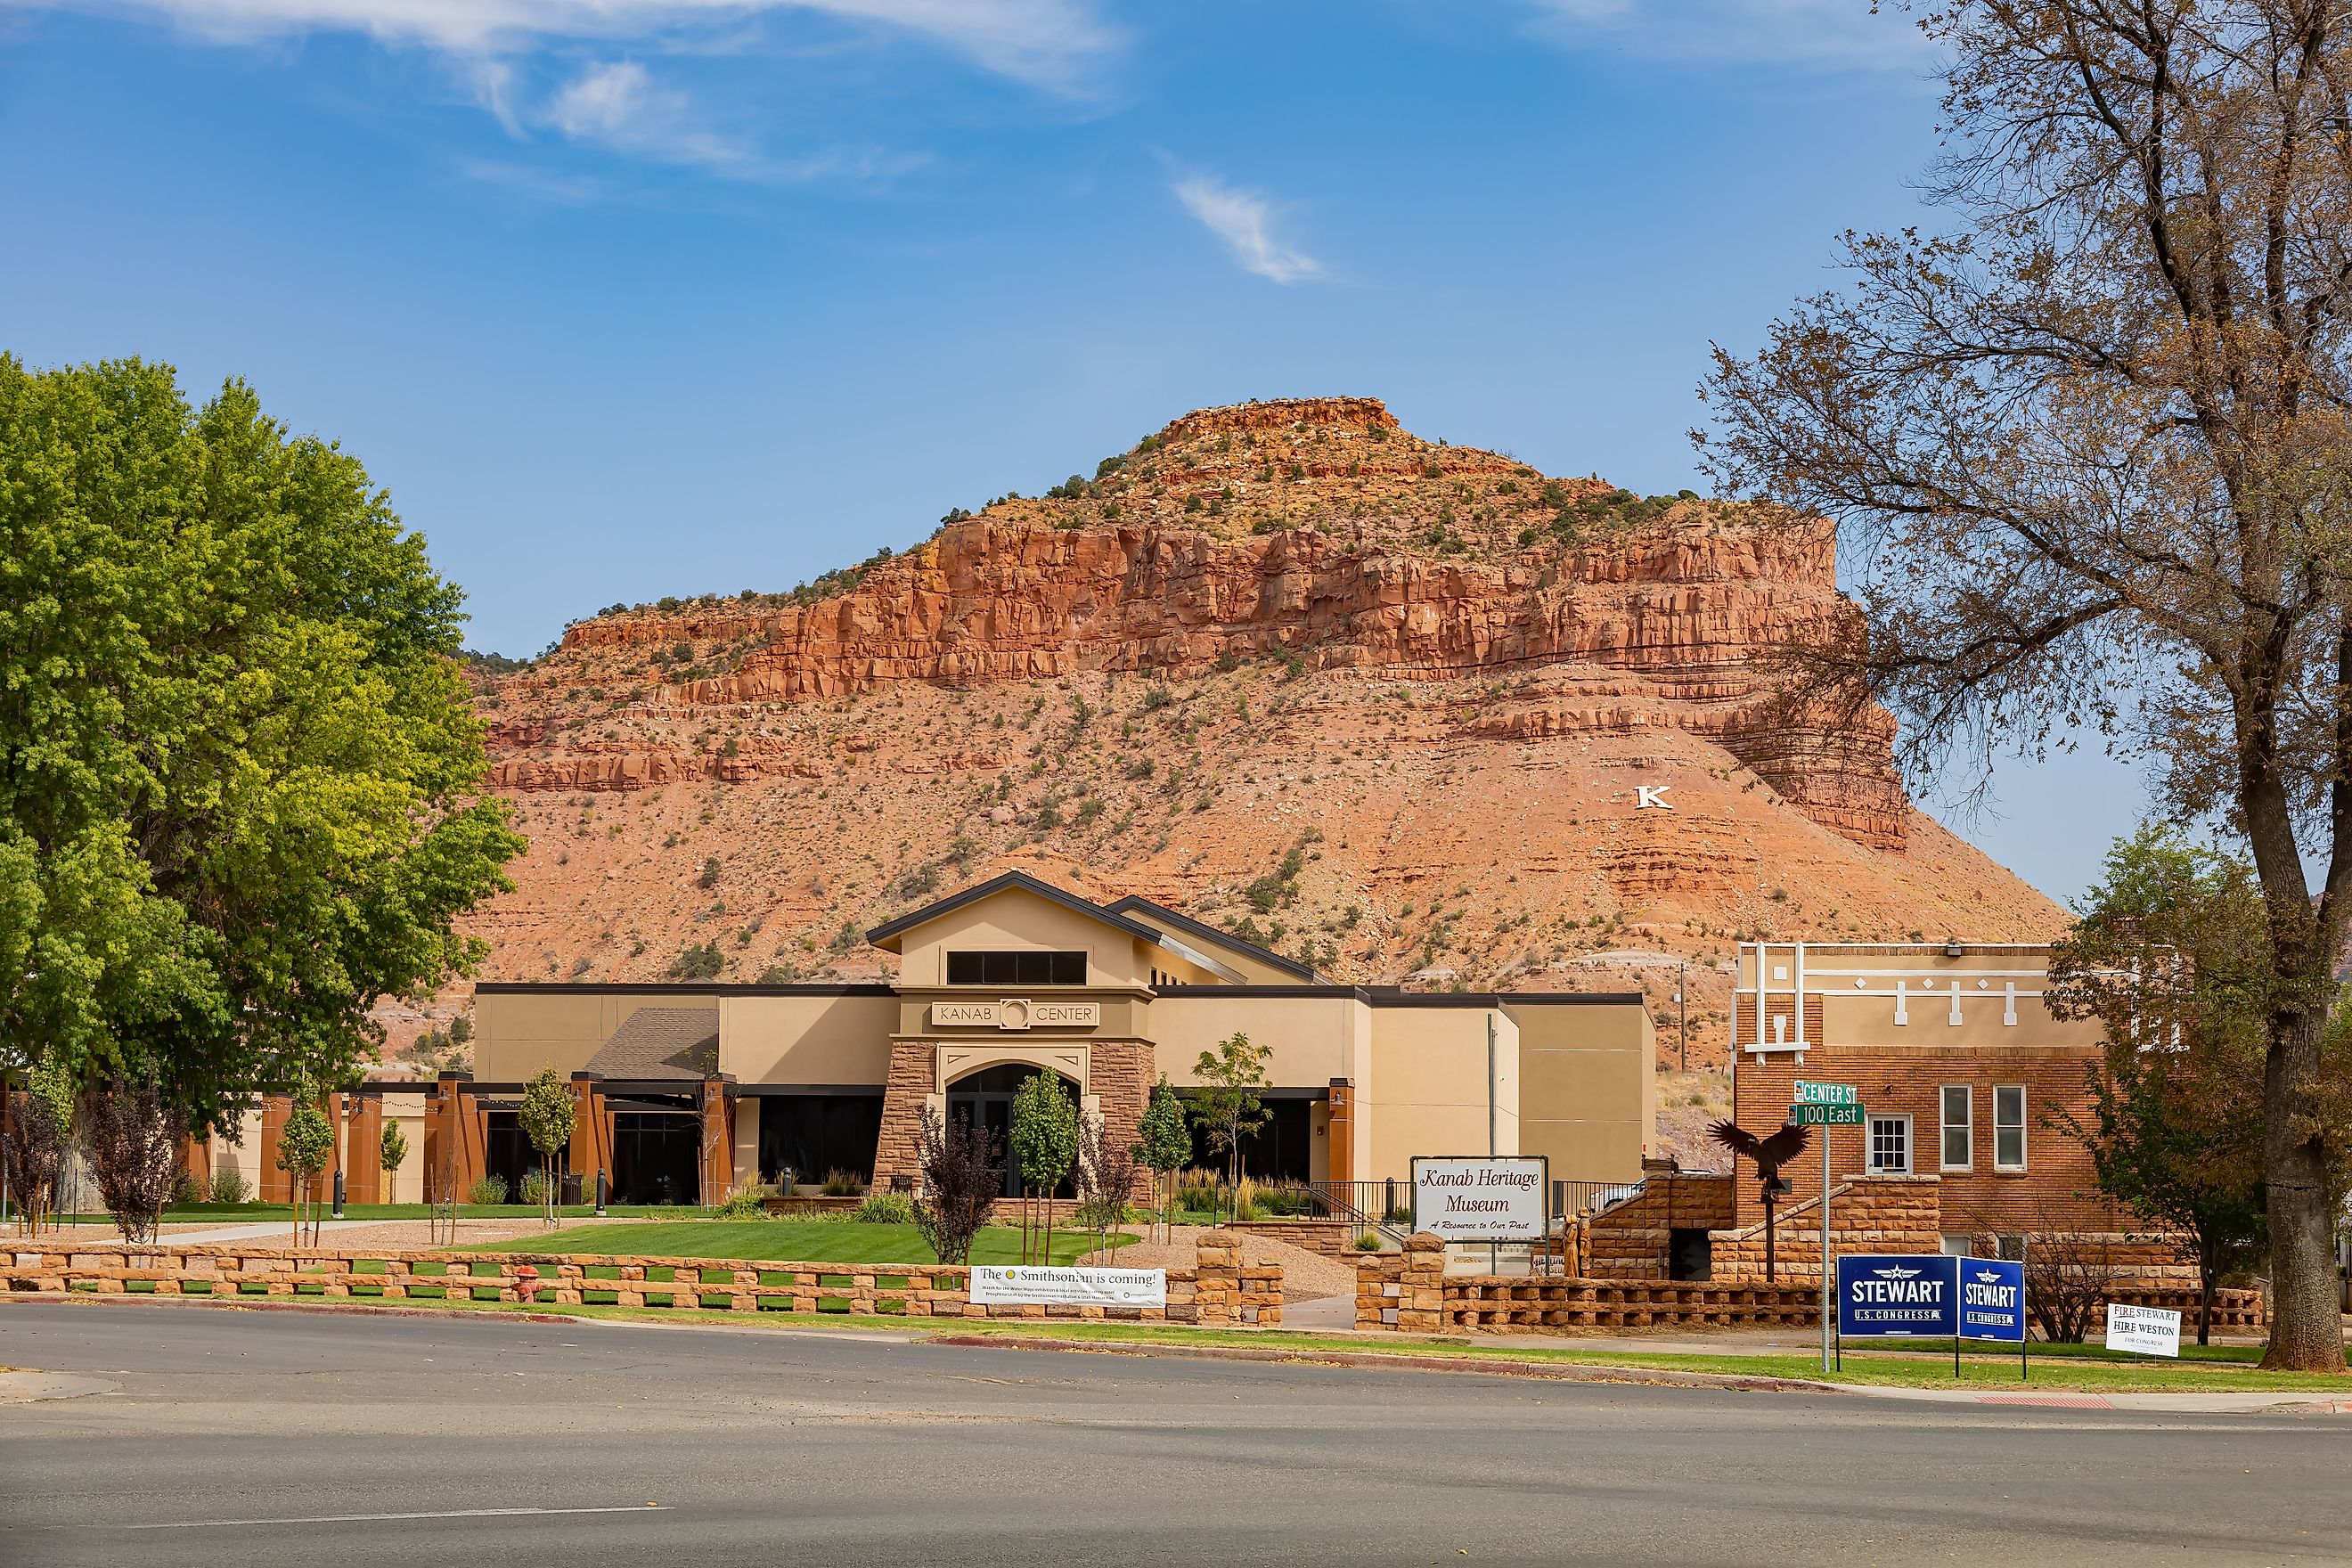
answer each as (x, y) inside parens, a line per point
(1910, 1147)
(1970, 1094)
(2024, 1122)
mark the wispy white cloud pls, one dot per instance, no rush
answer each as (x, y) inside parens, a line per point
(522, 61)
(1845, 34)
(619, 105)
(1243, 222)
(1053, 44)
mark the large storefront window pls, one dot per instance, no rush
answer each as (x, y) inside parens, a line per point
(1277, 1151)
(656, 1156)
(814, 1135)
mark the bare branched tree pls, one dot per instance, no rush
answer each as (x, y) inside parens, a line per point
(34, 1141)
(1105, 1177)
(2091, 450)
(963, 1173)
(2070, 1274)
(132, 1142)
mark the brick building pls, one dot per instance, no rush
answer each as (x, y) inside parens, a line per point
(1959, 1065)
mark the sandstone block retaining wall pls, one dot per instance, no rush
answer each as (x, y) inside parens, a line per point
(1220, 1291)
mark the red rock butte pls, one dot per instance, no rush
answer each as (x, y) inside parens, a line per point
(1411, 710)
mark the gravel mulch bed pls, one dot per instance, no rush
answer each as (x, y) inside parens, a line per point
(1306, 1276)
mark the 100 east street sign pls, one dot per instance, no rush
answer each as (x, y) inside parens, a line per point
(1808, 1092)
(1818, 1115)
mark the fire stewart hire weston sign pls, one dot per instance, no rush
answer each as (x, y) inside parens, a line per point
(1496, 1198)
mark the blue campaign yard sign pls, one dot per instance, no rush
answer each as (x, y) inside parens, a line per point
(1914, 1295)
(1992, 1300)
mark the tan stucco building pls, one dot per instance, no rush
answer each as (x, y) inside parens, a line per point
(708, 1086)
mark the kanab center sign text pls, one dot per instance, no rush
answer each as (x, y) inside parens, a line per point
(1930, 1295)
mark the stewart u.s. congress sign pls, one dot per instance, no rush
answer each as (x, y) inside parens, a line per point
(1929, 1296)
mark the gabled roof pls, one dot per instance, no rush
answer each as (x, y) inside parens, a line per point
(1208, 934)
(655, 1043)
(881, 936)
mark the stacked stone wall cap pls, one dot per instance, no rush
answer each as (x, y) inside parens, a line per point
(1425, 1241)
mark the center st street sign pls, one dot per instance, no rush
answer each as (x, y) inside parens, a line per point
(1812, 1093)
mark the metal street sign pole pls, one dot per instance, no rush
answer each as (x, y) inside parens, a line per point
(1829, 1267)
(1827, 1105)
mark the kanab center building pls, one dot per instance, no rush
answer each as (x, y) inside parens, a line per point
(687, 1091)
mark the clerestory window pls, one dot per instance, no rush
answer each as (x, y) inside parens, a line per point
(1017, 968)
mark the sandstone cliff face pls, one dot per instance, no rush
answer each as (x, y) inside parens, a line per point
(1434, 679)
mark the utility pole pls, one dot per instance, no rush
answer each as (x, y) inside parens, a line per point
(1682, 1001)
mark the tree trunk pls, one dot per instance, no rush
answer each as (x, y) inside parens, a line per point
(2306, 1317)
(2204, 1303)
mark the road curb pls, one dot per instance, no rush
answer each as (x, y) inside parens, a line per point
(283, 1304)
(1557, 1372)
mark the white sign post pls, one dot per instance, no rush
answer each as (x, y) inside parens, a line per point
(2144, 1330)
(1488, 1198)
(1029, 1287)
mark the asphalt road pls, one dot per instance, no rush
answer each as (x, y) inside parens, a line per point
(259, 1438)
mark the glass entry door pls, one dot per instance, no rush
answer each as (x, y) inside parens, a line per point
(987, 1097)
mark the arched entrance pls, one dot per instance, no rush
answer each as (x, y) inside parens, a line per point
(986, 1096)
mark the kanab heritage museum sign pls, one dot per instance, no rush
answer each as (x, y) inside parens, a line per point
(1492, 1198)
(1932, 1296)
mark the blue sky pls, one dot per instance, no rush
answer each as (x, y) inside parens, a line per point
(622, 298)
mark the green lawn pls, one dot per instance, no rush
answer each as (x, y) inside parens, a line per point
(2060, 1374)
(798, 1241)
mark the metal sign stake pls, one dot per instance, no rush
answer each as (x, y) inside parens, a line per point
(1829, 1267)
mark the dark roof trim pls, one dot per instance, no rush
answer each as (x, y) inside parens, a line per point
(1388, 996)
(1207, 932)
(785, 1091)
(1009, 882)
(679, 988)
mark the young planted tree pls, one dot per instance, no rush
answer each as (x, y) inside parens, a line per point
(1226, 1104)
(132, 1142)
(391, 1154)
(963, 1171)
(2170, 953)
(2091, 450)
(305, 1145)
(1044, 1145)
(39, 1133)
(1163, 1146)
(547, 1117)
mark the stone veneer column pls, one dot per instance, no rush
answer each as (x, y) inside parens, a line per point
(898, 1152)
(1119, 1080)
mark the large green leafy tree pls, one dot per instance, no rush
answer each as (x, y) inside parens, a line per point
(241, 780)
(2170, 953)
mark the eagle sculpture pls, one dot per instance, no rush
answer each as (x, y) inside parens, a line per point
(1769, 1154)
